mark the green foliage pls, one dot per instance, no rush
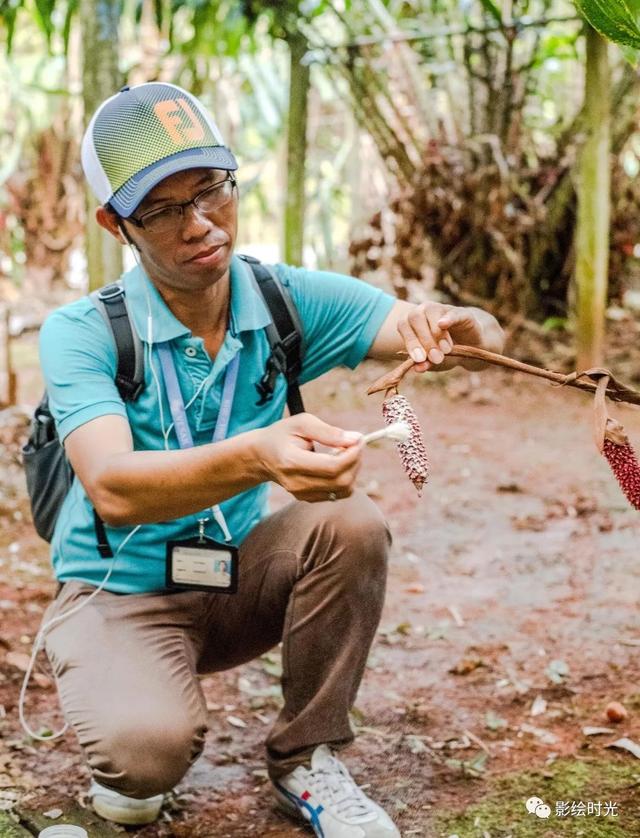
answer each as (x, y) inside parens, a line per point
(8, 14)
(46, 14)
(617, 20)
(490, 7)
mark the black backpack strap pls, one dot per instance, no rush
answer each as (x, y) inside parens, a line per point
(284, 334)
(110, 302)
(104, 548)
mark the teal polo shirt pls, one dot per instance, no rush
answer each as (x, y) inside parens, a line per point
(340, 317)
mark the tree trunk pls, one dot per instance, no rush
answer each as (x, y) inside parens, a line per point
(296, 150)
(100, 79)
(594, 207)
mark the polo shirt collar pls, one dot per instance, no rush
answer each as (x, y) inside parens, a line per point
(248, 309)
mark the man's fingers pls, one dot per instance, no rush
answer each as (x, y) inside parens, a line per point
(456, 317)
(426, 342)
(444, 339)
(326, 466)
(413, 344)
(311, 427)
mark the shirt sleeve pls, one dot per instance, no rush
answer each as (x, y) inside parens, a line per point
(78, 360)
(340, 317)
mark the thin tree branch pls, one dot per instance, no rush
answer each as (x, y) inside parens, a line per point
(446, 32)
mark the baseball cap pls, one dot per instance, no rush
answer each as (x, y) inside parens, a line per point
(142, 135)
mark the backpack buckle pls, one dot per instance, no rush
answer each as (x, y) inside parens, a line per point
(111, 292)
(129, 392)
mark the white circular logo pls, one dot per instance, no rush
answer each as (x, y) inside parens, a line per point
(533, 803)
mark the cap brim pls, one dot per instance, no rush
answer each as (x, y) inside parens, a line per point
(126, 199)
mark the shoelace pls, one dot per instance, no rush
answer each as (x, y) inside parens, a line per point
(338, 785)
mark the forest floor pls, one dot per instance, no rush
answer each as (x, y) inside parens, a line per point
(511, 620)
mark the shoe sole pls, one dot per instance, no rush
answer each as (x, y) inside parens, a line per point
(125, 816)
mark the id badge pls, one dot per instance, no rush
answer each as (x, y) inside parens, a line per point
(201, 564)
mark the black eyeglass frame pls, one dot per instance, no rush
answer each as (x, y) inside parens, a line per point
(139, 222)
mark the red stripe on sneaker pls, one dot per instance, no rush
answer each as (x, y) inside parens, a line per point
(305, 795)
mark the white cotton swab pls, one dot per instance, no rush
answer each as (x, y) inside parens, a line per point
(400, 431)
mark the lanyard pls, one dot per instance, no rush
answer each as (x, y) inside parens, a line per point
(179, 413)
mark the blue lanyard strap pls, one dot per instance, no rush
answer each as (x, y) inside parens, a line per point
(176, 402)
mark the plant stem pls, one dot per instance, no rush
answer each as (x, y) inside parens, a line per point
(615, 390)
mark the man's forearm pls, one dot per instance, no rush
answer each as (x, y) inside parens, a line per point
(142, 487)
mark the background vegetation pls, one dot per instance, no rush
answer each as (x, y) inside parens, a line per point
(482, 150)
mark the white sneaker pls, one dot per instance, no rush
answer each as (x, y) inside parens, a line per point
(119, 808)
(327, 796)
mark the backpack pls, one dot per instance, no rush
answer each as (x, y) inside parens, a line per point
(49, 473)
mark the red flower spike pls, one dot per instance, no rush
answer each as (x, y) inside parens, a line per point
(623, 461)
(412, 452)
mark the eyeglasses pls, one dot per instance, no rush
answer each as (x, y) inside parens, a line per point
(165, 219)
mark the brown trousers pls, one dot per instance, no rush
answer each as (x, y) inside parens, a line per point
(311, 575)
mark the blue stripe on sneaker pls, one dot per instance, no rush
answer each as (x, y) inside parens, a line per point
(314, 812)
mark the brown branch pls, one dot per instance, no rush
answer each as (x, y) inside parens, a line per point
(616, 391)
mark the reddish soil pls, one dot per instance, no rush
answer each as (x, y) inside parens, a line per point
(522, 551)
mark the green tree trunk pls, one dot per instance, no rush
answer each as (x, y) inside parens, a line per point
(296, 151)
(100, 79)
(594, 207)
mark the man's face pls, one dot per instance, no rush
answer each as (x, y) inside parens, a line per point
(196, 252)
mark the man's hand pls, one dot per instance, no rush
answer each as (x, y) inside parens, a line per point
(429, 330)
(285, 450)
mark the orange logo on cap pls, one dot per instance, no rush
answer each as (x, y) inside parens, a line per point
(179, 120)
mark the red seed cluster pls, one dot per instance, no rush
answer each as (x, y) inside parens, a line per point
(412, 452)
(626, 468)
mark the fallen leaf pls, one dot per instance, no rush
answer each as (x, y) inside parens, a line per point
(53, 813)
(272, 664)
(538, 707)
(42, 681)
(625, 744)
(466, 665)
(415, 745)
(18, 659)
(457, 617)
(596, 731)
(557, 671)
(236, 722)
(493, 721)
(509, 487)
(528, 522)
(543, 735)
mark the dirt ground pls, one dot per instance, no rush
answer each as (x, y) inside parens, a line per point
(511, 621)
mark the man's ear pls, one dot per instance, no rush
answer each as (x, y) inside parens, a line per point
(110, 222)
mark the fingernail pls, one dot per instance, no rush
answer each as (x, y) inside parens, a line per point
(436, 356)
(445, 345)
(418, 354)
(351, 436)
